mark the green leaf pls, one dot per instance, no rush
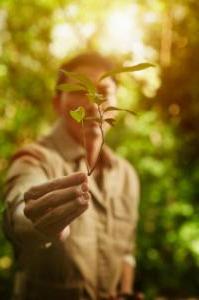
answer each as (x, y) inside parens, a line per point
(110, 121)
(100, 99)
(83, 80)
(96, 97)
(138, 67)
(2, 208)
(70, 87)
(91, 96)
(112, 108)
(78, 114)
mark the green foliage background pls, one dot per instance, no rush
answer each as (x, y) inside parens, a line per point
(162, 142)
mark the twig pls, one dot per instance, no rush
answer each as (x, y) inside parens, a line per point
(102, 143)
(84, 142)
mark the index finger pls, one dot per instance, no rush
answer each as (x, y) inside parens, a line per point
(55, 184)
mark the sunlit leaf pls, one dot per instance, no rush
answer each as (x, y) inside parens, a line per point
(83, 80)
(78, 114)
(113, 108)
(100, 99)
(96, 97)
(110, 121)
(138, 67)
(70, 87)
(92, 96)
(2, 208)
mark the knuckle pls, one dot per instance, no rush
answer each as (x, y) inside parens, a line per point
(72, 192)
(51, 214)
(79, 201)
(28, 194)
(53, 195)
(76, 191)
(27, 211)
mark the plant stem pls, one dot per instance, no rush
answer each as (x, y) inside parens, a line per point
(102, 143)
(84, 142)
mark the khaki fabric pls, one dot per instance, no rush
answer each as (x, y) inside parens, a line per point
(99, 239)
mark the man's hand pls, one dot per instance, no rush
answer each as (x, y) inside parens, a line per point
(52, 206)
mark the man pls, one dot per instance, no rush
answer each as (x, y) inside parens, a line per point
(73, 235)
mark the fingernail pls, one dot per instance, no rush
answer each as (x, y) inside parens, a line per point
(82, 200)
(83, 176)
(79, 189)
(84, 187)
(86, 196)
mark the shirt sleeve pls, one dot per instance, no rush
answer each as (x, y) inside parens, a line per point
(130, 260)
(26, 170)
(133, 186)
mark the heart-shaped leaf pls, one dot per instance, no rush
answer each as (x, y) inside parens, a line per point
(138, 67)
(70, 87)
(78, 114)
(113, 108)
(110, 121)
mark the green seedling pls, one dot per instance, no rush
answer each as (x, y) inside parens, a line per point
(84, 83)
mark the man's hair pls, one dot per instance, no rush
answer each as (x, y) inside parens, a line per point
(93, 59)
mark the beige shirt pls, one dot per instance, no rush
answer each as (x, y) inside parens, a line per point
(99, 239)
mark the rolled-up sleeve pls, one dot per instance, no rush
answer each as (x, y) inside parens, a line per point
(25, 172)
(133, 185)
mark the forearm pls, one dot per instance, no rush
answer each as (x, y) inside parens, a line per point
(127, 278)
(20, 230)
(17, 226)
(128, 274)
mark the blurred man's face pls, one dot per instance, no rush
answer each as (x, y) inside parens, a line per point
(70, 101)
